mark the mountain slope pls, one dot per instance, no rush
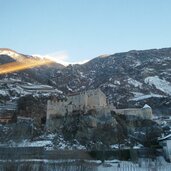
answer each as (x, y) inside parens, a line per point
(36, 74)
(129, 79)
(126, 78)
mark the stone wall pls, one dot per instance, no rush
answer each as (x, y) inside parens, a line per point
(33, 107)
(144, 113)
(96, 98)
(56, 108)
(85, 101)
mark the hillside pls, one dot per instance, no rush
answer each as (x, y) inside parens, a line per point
(129, 79)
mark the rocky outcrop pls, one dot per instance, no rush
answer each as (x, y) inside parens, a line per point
(15, 132)
(139, 130)
(96, 130)
(33, 107)
(90, 128)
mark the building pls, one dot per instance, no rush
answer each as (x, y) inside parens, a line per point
(91, 99)
(7, 117)
(8, 113)
(144, 113)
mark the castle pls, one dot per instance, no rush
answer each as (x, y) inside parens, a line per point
(91, 100)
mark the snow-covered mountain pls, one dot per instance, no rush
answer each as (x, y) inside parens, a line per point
(129, 79)
(32, 81)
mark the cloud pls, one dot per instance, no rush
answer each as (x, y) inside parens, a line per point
(60, 57)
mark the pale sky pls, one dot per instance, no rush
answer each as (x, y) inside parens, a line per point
(84, 29)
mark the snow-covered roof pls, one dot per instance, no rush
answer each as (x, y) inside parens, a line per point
(146, 106)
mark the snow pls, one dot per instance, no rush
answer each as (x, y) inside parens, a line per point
(114, 146)
(10, 80)
(137, 94)
(11, 53)
(160, 84)
(7, 52)
(93, 161)
(82, 75)
(164, 138)
(137, 146)
(62, 145)
(18, 90)
(67, 145)
(42, 141)
(82, 87)
(143, 97)
(40, 160)
(166, 58)
(146, 106)
(111, 85)
(51, 136)
(59, 91)
(46, 141)
(39, 143)
(112, 161)
(78, 147)
(3, 93)
(69, 88)
(37, 87)
(137, 63)
(135, 83)
(117, 82)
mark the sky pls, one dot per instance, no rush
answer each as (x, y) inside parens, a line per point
(84, 29)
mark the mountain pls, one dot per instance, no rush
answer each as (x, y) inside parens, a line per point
(33, 81)
(129, 79)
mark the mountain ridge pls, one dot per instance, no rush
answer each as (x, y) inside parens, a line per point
(129, 79)
(100, 56)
